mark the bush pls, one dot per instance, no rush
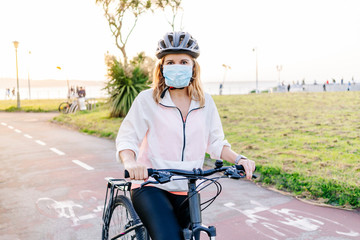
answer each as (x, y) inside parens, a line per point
(126, 82)
(334, 192)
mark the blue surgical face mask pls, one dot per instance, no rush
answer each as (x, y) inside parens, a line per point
(177, 76)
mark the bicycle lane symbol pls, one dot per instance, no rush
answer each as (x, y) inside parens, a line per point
(68, 208)
(283, 223)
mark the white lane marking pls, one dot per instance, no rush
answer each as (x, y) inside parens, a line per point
(17, 130)
(83, 165)
(88, 216)
(350, 234)
(40, 142)
(28, 136)
(58, 152)
(229, 204)
(11, 127)
(4, 124)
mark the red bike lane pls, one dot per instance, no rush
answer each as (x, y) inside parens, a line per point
(53, 187)
(262, 214)
(52, 178)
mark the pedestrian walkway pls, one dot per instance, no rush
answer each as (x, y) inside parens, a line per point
(337, 87)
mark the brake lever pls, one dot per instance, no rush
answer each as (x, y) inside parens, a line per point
(148, 182)
(236, 173)
(232, 172)
(160, 177)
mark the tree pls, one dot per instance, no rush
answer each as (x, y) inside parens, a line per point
(115, 12)
(146, 64)
(175, 8)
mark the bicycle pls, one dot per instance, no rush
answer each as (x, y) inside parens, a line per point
(74, 106)
(68, 107)
(121, 220)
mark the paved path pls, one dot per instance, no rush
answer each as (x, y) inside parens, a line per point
(53, 187)
(45, 165)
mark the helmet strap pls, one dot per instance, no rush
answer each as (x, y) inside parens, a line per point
(163, 93)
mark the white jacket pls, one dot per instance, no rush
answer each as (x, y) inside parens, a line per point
(161, 138)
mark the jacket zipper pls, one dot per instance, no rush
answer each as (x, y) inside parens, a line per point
(184, 141)
(184, 125)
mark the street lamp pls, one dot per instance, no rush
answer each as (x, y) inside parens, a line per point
(16, 44)
(29, 76)
(279, 68)
(67, 81)
(256, 52)
(222, 84)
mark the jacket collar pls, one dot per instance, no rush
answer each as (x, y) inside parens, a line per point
(167, 102)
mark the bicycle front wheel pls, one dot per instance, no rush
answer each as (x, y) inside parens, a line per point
(64, 107)
(122, 216)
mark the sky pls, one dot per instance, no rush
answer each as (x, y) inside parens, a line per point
(311, 39)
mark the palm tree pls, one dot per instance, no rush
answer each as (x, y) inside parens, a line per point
(124, 85)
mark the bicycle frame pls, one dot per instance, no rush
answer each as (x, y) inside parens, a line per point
(195, 215)
(130, 229)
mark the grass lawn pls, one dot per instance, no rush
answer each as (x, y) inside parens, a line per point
(47, 105)
(304, 143)
(307, 143)
(96, 122)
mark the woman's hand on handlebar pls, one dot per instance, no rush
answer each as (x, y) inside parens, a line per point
(136, 170)
(249, 166)
(230, 155)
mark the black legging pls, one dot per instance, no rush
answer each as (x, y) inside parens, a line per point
(163, 214)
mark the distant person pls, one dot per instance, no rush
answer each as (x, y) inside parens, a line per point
(81, 92)
(349, 85)
(324, 87)
(220, 89)
(303, 84)
(72, 91)
(8, 93)
(342, 81)
(288, 87)
(13, 92)
(77, 91)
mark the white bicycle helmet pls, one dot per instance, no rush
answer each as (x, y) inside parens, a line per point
(177, 42)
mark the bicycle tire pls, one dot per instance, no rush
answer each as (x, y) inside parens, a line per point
(64, 107)
(73, 108)
(122, 215)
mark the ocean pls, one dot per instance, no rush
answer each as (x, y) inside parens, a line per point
(53, 93)
(234, 88)
(229, 88)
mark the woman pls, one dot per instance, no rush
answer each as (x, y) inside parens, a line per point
(172, 125)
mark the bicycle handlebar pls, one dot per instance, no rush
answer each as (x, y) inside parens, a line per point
(197, 172)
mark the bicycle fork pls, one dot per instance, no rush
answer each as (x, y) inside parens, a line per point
(195, 216)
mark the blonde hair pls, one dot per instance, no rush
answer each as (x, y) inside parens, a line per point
(194, 90)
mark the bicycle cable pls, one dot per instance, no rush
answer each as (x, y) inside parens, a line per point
(212, 181)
